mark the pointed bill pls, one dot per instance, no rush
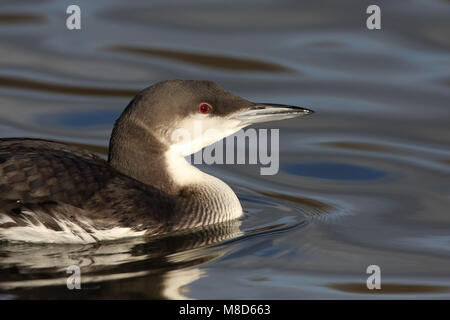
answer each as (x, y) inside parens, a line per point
(264, 112)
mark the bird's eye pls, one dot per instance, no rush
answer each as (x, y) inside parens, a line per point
(204, 108)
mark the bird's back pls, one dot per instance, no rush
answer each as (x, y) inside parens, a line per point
(34, 171)
(62, 190)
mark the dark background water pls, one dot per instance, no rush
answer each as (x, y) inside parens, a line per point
(364, 181)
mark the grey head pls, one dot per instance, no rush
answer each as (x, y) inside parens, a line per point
(182, 116)
(200, 111)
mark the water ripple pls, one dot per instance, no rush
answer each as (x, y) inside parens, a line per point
(206, 60)
(21, 18)
(28, 84)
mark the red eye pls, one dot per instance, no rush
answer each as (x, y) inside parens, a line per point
(204, 108)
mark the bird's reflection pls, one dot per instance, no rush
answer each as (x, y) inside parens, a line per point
(141, 268)
(157, 268)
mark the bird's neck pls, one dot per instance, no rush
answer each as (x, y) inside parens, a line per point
(136, 153)
(202, 194)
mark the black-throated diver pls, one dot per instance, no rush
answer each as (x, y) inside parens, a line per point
(54, 192)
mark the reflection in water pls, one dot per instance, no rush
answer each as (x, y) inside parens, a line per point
(157, 268)
(206, 60)
(145, 268)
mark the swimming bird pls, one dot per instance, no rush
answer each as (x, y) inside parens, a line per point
(52, 192)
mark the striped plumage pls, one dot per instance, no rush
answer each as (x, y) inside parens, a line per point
(58, 182)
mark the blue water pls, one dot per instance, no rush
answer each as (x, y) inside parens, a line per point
(80, 119)
(365, 180)
(333, 171)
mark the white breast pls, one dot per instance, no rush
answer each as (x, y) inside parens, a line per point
(217, 194)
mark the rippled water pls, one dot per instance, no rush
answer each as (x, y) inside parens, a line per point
(364, 181)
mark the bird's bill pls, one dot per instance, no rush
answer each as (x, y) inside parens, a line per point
(263, 112)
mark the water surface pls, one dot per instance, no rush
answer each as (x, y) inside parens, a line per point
(365, 180)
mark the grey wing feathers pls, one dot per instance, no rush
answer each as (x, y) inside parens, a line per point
(40, 170)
